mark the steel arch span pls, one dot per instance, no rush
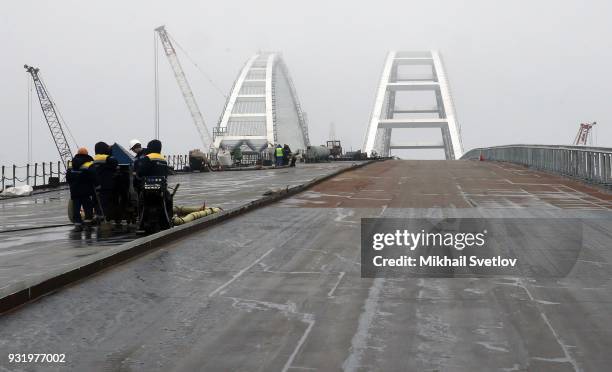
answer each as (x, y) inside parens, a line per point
(263, 108)
(386, 116)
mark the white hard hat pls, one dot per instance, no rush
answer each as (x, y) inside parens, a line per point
(134, 142)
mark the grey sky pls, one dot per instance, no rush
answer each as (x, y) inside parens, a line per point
(520, 71)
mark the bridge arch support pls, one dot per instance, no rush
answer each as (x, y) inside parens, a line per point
(263, 108)
(387, 117)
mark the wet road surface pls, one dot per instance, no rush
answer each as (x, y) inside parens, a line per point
(279, 289)
(27, 254)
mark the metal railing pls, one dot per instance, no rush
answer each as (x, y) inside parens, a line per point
(178, 162)
(591, 164)
(36, 175)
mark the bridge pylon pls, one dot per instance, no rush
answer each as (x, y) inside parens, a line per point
(386, 116)
(263, 108)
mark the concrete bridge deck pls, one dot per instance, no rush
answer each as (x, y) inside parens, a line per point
(280, 288)
(25, 255)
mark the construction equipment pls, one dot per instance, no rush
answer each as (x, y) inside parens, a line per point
(335, 148)
(198, 161)
(583, 135)
(51, 116)
(317, 154)
(155, 210)
(183, 84)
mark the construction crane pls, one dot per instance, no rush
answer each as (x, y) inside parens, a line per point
(192, 105)
(51, 116)
(583, 134)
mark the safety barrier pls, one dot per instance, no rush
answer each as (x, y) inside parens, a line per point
(590, 164)
(177, 162)
(36, 175)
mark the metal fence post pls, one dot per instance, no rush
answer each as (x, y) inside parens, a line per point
(43, 173)
(3, 177)
(35, 172)
(14, 168)
(28, 174)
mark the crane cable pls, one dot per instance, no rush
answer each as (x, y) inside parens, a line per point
(219, 90)
(156, 68)
(29, 93)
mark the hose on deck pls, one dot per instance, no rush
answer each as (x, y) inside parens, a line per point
(188, 214)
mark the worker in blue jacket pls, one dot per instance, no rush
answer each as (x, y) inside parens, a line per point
(106, 167)
(82, 188)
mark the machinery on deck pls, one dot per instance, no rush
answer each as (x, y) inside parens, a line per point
(155, 205)
(316, 154)
(335, 148)
(51, 116)
(198, 161)
(583, 137)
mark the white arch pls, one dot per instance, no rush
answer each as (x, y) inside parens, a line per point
(263, 108)
(386, 117)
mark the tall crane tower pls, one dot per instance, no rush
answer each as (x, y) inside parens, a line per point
(181, 79)
(583, 134)
(53, 121)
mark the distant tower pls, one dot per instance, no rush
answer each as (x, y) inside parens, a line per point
(332, 131)
(386, 117)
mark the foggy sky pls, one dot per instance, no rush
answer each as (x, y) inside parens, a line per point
(520, 71)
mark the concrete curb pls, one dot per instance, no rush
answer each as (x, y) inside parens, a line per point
(28, 290)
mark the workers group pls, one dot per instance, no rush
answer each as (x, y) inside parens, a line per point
(100, 190)
(283, 156)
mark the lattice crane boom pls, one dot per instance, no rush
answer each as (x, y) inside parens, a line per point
(53, 121)
(582, 138)
(184, 86)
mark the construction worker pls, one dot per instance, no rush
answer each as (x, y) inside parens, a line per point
(286, 154)
(138, 150)
(139, 153)
(105, 167)
(82, 188)
(136, 147)
(278, 153)
(154, 164)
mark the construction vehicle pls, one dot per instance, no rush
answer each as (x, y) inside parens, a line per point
(335, 148)
(198, 161)
(185, 88)
(52, 118)
(583, 137)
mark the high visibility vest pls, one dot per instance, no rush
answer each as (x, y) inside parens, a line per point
(279, 152)
(86, 165)
(155, 156)
(100, 158)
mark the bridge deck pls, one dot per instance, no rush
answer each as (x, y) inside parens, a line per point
(24, 255)
(280, 288)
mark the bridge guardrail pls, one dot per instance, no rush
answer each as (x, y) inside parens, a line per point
(37, 174)
(590, 164)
